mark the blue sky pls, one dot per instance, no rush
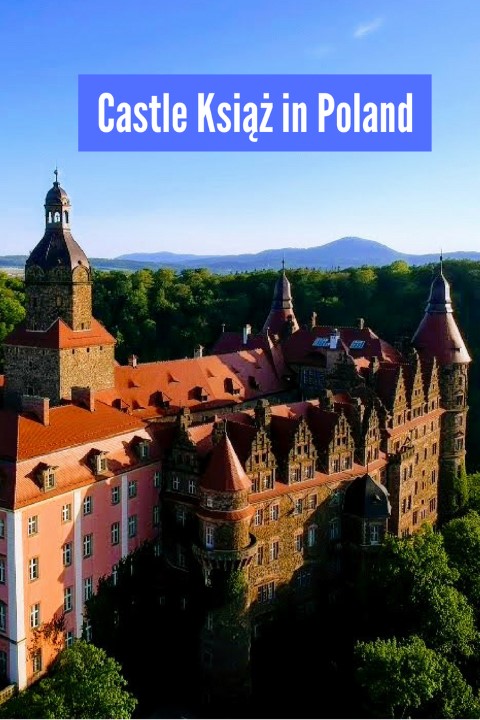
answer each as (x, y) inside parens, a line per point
(238, 202)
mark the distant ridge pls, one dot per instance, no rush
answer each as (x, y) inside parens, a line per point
(343, 253)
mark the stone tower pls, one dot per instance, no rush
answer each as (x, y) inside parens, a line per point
(438, 337)
(59, 345)
(281, 319)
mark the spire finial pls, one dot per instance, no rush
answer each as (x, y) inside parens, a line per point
(55, 172)
(441, 260)
(283, 263)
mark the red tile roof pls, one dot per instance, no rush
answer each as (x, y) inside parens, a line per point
(59, 336)
(438, 336)
(221, 380)
(25, 437)
(224, 472)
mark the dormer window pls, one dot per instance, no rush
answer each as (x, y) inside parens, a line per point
(99, 462)
(142, 448)
(47, 477)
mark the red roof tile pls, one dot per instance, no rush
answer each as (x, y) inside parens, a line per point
(438, 336)
(24, 437)
(60, 335)
(224, 472)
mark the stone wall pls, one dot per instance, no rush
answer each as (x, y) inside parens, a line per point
(90, 367)
(32, 371)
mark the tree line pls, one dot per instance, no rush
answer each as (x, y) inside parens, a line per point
(162, 314)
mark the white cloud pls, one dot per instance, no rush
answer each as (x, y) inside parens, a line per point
(367, 28)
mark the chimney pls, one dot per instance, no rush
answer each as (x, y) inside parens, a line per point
(313, 320)
(263, 413)
(38, 406)
(361, 323)
(198, 351)
(334, 338)
(246, 332)
(133, 361)
(83, 397)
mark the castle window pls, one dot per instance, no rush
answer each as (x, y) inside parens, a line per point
(37, 661)
(312, 502)
(209, 536)
(66, 512)
(209, 501)
(434, 449)
(87, 588)
(266, 592)
(433, 477)
(334, 529)
(65, 216)
(67, 554)
(115, 533)
(132, 526)
(415, 517)
(143, 449)
(99, 462)
(312, 536)
(374, 534)
(191, 487)
(295, 474)
(88, 505)
(157, 479)
(132, 488)
(56, 217)
(298, 541)
(175, 482)
(35, 615)
(260, 554)
(156, 515)
(274, 550)
(47, 477)
(433, 504)
(68, 599)
(115, 495)
(87, 545)
(33, 569)
(258, 519)
(2, 571)
(298, 508)
(274, 512)
(32, 527)
(309, 472)
(49, 216)
(3, 616)
(181, 557)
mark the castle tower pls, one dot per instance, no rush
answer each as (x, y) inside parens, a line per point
(281, 320)
(58, 280)
(438, 337)
(59, 345)
(225, 550)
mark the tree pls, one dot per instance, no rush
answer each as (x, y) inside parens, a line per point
(462, 542)
(84, 682)
(408, 679)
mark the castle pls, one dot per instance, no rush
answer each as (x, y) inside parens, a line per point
(262, 457)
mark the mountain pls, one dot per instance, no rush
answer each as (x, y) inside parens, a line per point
(342, 253)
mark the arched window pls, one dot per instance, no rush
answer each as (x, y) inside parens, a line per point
(65, 216)
(56, 217)
(3, 616)
(50, 217)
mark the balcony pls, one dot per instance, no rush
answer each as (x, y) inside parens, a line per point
(226, 559)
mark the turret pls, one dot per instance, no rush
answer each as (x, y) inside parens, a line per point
(438, 337)
(58, 281)
(281, 320)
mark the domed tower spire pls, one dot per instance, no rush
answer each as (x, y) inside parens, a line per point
(281, 320)
(57, 272)
(438, 337)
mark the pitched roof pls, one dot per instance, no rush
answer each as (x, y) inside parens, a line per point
(206, 382)
(281, 312)
(299, 347)
(224, 472)
(60, 336)
(24, 437)
(366, 499)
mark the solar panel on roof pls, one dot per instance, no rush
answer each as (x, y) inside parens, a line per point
(321, 342)
(357, 344)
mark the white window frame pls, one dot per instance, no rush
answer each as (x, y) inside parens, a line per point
(132, 489)
(132, 526)
(34, 616)
(87, 588)
(32, 526)
(66, 512)
(209, 536)
(116, 494)
(33, 569)
(68, 599)
(67, 554)
(87, 505)
(88, 545)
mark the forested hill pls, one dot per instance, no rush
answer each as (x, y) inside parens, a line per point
(343, 253)
(164, 314)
